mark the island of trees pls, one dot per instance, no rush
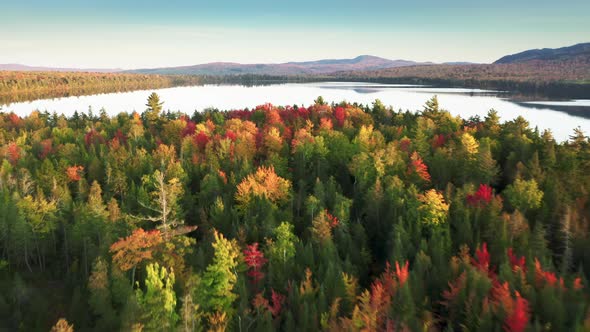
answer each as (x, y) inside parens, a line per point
(338, 217)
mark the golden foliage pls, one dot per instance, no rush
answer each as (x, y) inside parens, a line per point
(135, 248)
(433, 207)
(469, 144)
(62, 325)
(264, 183)
(351, 285)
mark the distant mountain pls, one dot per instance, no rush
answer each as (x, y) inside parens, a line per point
(19, 67)
(549, 54)
(459, 63)
(363, 62)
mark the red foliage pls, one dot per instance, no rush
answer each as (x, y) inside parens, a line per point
(500, 295)
(114, 144)
(223, 176)
(265, 107)
(74, 173)
(418, 167)
(402, 273)
(46, 148)
(259, 138)
(277, 300)
(334, 222)
(404, 144)
(14, 119)
(340, 115)
(290, 115)
(201, 140)
(93, 137)
(272, 116)
(326, 123)
(189, 129)
(545, 277)
(120, 137)
(482, 196)
(387, 280)
(518, 320)
(517, 264)
(439, 140)
(399, 130)
(239, 114)
(255, 259)
(483, 258)
(455, 288)
(13, 153)
(578, 283)
(230, 134)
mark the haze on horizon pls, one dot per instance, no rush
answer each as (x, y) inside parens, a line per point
(142, 34)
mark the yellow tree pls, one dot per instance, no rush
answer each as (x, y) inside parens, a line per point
(469, 144)
(434, 209)
(264, 183)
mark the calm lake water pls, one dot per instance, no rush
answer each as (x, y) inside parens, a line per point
(561, 117)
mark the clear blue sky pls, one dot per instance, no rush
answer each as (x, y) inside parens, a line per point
(134, 34)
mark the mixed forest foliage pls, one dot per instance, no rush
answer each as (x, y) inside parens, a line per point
(19, 86)
(336, 217)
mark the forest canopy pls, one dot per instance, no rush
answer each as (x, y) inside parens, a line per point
(332, 217)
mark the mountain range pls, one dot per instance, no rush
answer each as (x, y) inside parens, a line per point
(579, 53)
(549, 54)
(362, 62)
(19, 67)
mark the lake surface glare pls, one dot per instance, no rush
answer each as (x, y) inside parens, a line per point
(561, 117)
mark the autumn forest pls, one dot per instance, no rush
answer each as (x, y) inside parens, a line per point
(338, 217)
(332, 217)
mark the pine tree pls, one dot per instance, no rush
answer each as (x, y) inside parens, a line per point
(216, 294)
(154, 107)
(158, 301)
(100, 295)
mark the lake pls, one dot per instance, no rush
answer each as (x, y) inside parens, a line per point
(561, 117)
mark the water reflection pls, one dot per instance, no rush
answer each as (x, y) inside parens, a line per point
(558, 116)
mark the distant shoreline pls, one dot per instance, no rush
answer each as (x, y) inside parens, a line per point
(30, 86)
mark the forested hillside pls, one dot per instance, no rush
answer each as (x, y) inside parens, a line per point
(24, 86)
(581, 51)
(563, 77)
(322, 218)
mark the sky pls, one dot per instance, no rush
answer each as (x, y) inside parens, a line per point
(144, 34)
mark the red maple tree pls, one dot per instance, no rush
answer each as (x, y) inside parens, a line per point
(340, 115)
(333, 220)
(402, 273)
(13, 153)
(255, 259)
(481, 197)
(418, 167)
(93, 137)
(439, 140)
(277, 300)
(189, 129)
(201, 140)
(404, 144)
(482, 261)
(46, 146)
(517, 264)
(518, 320)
